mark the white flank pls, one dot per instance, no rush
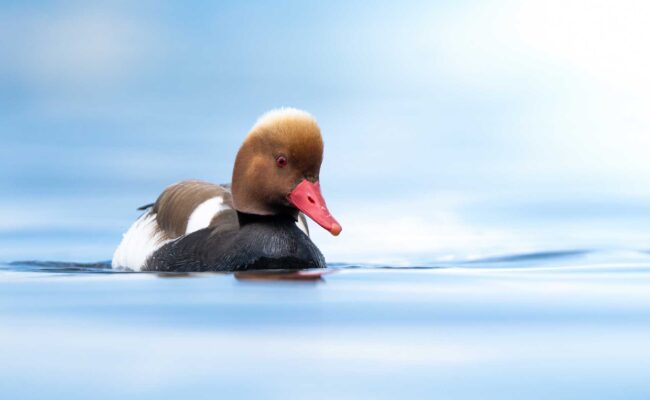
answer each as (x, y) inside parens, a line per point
(203, 214)
(138, 243)
(302, 224)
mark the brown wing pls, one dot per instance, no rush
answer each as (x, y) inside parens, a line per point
(176, 204)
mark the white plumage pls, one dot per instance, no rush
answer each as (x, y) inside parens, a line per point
(204, 212)
(138, 243)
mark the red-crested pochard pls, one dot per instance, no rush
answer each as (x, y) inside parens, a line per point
(257, 223)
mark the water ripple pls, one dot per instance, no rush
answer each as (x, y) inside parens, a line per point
(555, 259)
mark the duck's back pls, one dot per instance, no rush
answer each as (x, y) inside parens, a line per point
(180, 210)
(188, 206)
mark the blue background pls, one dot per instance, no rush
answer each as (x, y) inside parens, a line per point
(458, 135)
(452, 129)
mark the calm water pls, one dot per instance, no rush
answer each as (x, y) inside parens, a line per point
(572, 324)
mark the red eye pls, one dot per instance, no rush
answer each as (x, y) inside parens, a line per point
(281, 161)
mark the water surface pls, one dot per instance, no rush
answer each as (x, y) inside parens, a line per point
(569, 324)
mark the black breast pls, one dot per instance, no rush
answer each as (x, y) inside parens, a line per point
(259, 242)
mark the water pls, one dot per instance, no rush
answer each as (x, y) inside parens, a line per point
(564, 325)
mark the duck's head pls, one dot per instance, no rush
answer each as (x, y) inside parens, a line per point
(277, 168)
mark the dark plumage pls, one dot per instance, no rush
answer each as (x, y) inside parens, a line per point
(258, 242)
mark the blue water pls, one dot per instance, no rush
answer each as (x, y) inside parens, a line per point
(562, 325)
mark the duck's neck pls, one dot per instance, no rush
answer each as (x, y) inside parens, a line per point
(246, 219)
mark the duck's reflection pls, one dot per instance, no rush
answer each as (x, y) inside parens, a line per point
(283, 275)
(259, 275)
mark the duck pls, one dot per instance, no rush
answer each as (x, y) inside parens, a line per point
(257, 222)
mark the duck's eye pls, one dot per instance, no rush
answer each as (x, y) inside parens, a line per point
(281, 161)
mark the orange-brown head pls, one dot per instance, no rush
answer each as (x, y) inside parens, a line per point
(277, 168)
